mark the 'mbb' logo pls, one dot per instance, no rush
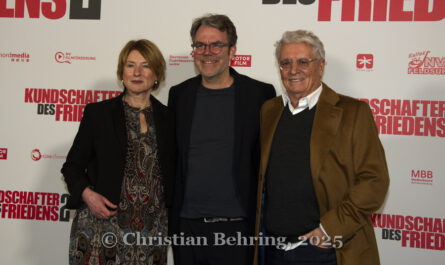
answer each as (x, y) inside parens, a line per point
(78, 9)
(422, 176)
(365, 61)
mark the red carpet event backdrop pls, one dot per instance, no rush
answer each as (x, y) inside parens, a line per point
(57, 56)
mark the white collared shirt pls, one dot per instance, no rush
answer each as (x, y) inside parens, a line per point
(308, 101)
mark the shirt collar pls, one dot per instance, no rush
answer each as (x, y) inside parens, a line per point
(308, 101)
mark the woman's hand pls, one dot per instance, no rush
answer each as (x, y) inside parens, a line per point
(98, 204)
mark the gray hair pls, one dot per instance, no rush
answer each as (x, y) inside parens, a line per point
(220, 22)
(300, 36)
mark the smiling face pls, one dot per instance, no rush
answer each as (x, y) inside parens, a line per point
(297, 81)
(137, 76)
(213, 67)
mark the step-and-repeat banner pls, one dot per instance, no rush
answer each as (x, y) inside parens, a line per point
(56, 56)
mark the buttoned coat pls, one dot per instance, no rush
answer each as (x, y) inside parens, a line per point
(348, 167)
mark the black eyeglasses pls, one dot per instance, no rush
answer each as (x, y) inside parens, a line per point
(214, 47)
(302, 63)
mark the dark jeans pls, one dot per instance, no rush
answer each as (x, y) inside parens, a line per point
(212, 254)
(303, 255)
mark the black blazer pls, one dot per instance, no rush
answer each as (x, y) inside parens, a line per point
(249, 96)
(97, 156)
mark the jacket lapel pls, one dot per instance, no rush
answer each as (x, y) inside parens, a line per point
(157, 119)
(269, 121)
(188, 109)
(325, 126)
(118, 117)
(241, 105)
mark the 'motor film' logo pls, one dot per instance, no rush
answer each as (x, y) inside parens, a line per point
(241, 61)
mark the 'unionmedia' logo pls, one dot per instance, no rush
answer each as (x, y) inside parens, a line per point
(67, 57)
(241, 61)
(422, 63)
(365, 62)
(15, 57)
(3, 153)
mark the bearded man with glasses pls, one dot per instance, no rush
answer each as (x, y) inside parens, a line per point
(217, 132)
(323, 170)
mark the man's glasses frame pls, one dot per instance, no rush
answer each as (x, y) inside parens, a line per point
(214, 47)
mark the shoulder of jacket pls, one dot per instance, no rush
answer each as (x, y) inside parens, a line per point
(185, 83)
(271, 103)
(103, 104)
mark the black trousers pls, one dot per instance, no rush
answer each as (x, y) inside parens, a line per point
(221, 244)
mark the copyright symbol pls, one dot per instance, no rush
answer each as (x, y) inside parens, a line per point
(109, 240)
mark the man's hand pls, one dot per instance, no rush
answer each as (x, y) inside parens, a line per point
(98, 204)
(318, 238)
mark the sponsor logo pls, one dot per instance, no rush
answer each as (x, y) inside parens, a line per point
(67, 57)
(364, 62)
(241, 61)
(15, 57)
(411, 231)
(421, 63)
(28, 205)
(65, 104)
(56, 9)
(408, 117)
(423, 177)
(176, 60)
(373, 10)
(3, 153)
(237, 60)
(36, 155)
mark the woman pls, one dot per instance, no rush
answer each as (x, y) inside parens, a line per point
(119, 170)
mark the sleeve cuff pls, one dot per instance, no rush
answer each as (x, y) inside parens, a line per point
(322, 229)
